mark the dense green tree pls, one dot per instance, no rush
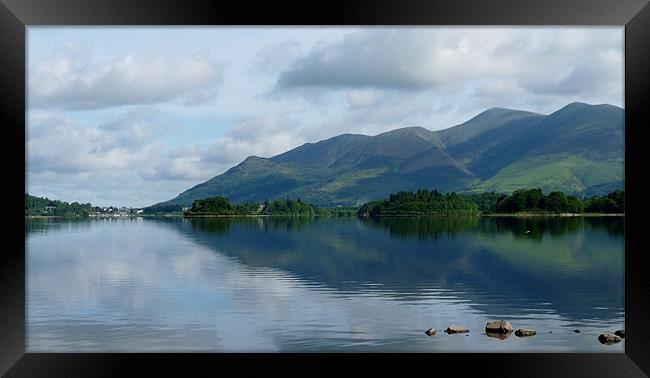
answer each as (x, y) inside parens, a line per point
(602, 205)
(222, 206)
(419, 203)
(555, 202)
(529, 200)
(575, 205)
(46, 207)
(618, 196)
(486, 202)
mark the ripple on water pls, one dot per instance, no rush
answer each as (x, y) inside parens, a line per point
(166, 286)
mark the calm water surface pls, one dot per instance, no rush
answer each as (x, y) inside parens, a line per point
(349, 285)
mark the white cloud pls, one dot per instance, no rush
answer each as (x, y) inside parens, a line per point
(69, 160)
(566, 61)
(263, 136)
(361, 98)
(60, 144)
(123, 161)
(72, 83)
(276, 57)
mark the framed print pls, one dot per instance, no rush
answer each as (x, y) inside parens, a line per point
(365, 184)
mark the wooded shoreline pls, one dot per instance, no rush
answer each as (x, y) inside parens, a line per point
(420, 204)
(513, 215)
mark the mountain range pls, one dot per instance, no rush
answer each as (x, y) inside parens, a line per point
(578, 149)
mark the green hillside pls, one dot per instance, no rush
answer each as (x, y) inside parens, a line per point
(569, 173)
(578, 149)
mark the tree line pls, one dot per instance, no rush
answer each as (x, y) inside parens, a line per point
(39, 206)
(424, 202)
(222, 206)
(420, 203)
(535, 201)
(47, 207)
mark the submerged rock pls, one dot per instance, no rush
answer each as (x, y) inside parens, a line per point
(430, 331)
(456, 329)
(498, 326)
(608, 338)
(523, 332)
(620, 333)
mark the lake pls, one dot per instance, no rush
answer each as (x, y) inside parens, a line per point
(323, 284)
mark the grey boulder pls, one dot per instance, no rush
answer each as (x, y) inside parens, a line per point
(523, 332)
(456, 329)
(608, 338)
(498, 326)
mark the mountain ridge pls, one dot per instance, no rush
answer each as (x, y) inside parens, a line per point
(578, 148)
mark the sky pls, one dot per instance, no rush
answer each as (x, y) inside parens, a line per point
(132, 116)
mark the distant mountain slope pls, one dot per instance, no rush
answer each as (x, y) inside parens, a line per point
(490, 120)
(323, 153)
(577, 149)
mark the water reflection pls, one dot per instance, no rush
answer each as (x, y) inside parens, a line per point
(298, 284)
(567, 261)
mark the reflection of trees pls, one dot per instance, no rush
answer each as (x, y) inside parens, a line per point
(535, 227)
(42, 225)
(432, 253)
(425, 228)
(612, 225)
(287, 223)
(222, 225)
(554, 226)
(211, 225)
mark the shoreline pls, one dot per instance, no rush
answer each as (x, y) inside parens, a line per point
(553, 215)
(88, 217)
(264, 216)
(491, 215)
(494, 215)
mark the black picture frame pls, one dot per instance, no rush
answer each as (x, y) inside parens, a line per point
(16, 15)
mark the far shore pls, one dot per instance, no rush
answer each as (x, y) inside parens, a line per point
(231, 216)
(415, 216)
(553, 215)
(174, 215)
(265, 216)
(88, 217)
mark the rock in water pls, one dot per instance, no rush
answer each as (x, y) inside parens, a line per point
(456, 329)
(620, 333)
(430, 331)
(499, 326)
(523, 332)
(608, 338)
(498, 335)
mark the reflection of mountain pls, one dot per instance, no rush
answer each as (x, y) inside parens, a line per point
(575, 264)
(577, 149)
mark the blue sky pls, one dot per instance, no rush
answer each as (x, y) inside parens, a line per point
(134, 116)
